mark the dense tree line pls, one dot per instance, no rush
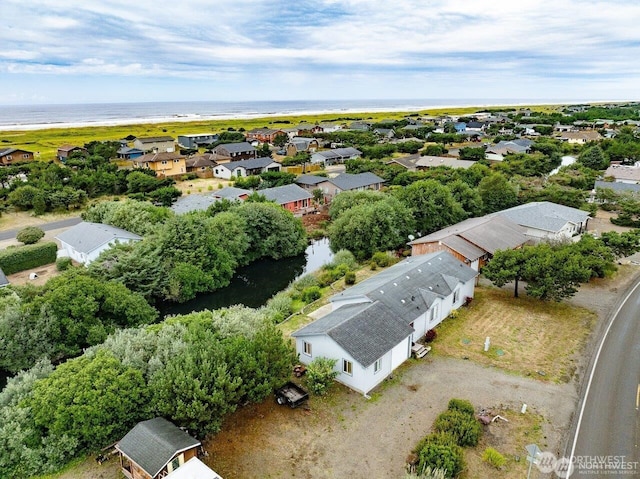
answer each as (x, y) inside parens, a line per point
(183, 255)
(192, 369)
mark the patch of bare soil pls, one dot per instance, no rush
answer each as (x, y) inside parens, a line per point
(602, 222)
(346, 435)
(44, 273)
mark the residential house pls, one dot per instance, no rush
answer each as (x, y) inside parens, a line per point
(155, 144)
(360, 125)
(337, 155)
(385, 133)
(475, 126)
(194, 468)
(85, 241)
(128, 153)
(373, 325)
(472, 241)
(330, 127)
(9, 156)
(426, 162)
(564, 128)
(624, 173)
(201, 165)
(264, 135)
(164, 164)
(245, 168)
(521, 145)
(231, 193)
(65, 151)
(615, 186)
(580, 137)
(330, 187)
(408, 162)
(300, 144)
(235, 152)
(290, 197)
(197, 140)
(544, 220)
(155, 448)
(308, 129)
(193, 202)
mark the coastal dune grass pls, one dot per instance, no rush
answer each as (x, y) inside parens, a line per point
(46, 141)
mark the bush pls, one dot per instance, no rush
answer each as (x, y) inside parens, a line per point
(343, 257)
(493, 457)
(436, 453)
(465, 429)
(311, 294)
(305, 281)
(63, 264)
(382, 259)
(279, 307)
(430, 335)
(19, 259)
(350, 278)
(30, 235)
(461, 405)
(320, 375)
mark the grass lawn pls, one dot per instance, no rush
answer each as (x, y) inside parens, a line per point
(528, 336)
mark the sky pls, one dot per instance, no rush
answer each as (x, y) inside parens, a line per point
(87, 51)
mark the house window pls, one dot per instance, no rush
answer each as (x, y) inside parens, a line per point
(163, 162)
(377, 366)
(25, 155)
(306, 348)
(456, 296)
(175, 463)
(347, 367)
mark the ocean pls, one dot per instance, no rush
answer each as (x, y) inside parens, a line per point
(32, 117)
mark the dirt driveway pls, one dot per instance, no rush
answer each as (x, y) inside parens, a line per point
(351, 437)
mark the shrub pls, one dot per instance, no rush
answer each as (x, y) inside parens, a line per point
(461, 405)
(30, 235)
(382, 259)
(350, 278)
(19, 259)
(279, 307)
(493, 457)
(305, 281)
(430, 335)
(465, 429)
(343, 257)
(63, 264)
(311, 294)
(439, 454)
(320, 375)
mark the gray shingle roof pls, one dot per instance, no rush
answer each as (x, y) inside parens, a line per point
(230, 193)
(152, 444)
(489, 233)
(366, 331)
(241, 147)
(3, 278)
(86, 237)
(401, 286)
(251, 164)
(617, 186)
(188, 203)
(346, 181)
(154, 139)
(339, 153)
(544, 215)
(310, 179)
(285, 194)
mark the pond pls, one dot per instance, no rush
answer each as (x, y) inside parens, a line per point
(254, 284)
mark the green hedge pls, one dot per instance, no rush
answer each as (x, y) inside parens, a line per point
(14, 260)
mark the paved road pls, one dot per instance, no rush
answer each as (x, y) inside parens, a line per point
(54, 225)
(609, 417)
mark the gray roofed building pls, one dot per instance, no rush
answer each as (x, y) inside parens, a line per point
(348, 182)
(521, 145)
(253, 164)
(310, 180)
(189, 203)
(336, 155)
(154, 443)
(235, 151)
(543, 219)
(434, 161)
(154, 139)
(85, 241)
(617, 186)
(231, 193)
(3, 279)
(286, 194)
(366, 330)
(408, 161)
(473, 240)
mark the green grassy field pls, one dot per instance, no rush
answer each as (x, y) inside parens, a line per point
(47, 141)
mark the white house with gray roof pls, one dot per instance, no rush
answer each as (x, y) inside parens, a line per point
(337, 155)
(245, 168)
(85, 241)
(543, 220)
(373, 324)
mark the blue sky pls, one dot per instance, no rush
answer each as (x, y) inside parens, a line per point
(78, 51)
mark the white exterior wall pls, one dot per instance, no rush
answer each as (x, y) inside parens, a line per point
(226, 174)
(363, 379)
(86, 258)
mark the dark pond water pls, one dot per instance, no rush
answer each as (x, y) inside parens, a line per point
(254, 284)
